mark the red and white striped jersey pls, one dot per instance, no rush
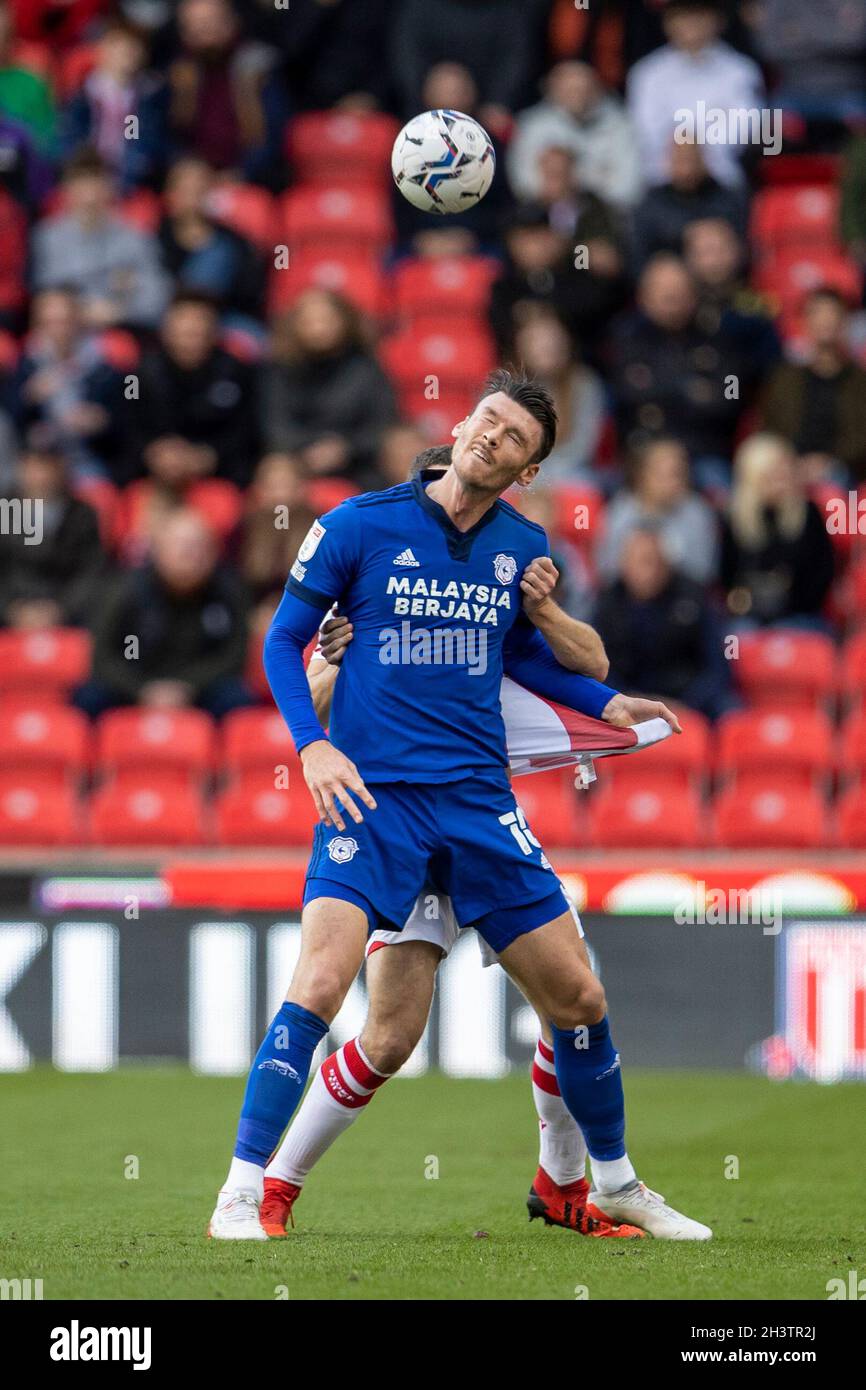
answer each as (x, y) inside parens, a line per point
(540, 735)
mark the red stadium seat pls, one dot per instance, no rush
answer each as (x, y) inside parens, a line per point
(805, 217)
(436, 419)
(104, 498)
(13, 262)
(218, 502)
(357, 277)
(323, 494)
(793, 741)
(786, 667)
(770, 812)
(248, 210)
(142, 209)
(334, 145)
(553, 808)
(790, 276)
(349, 216)
(649, 815)
(48, 737)
(182, 739)
(852, 674)
(579, 512)
(72, 67)
(851, 819)
(255, 812)
(256, 739)
(147, 809)
(37, 809)
(450, 287)
(54, 658)
(455, 359)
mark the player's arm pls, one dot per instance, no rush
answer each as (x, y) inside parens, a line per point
(576, 645)
(335, 634)
(312, 586)
(528, 660)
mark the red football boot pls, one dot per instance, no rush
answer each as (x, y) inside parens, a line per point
(566, 1206)
(277, 1203)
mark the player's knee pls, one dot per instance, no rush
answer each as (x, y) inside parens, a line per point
(319, 987)
(581, 1001)
(389, 1045)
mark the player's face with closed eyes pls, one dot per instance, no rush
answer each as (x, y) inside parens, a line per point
(494, 445)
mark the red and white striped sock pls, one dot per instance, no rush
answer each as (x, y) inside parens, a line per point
(562, 1152)
(344, 1084)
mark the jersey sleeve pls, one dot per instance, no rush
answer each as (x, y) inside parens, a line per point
(529, 661)
(293, 625)
(328, 558)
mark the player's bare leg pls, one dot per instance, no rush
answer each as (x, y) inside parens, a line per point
(549, 968)
(333, 935)
(400, 983)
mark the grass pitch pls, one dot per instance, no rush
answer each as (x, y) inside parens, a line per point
(371, 1225)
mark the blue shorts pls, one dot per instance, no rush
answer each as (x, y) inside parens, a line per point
(469, 837)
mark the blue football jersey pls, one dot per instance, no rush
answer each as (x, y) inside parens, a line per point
(418, 697)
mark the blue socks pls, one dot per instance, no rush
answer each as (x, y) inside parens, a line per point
(590, 1083)
(276, 1082)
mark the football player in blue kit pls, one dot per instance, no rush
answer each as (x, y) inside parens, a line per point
(412, 783)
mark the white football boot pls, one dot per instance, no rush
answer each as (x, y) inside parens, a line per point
(638, 1205)
(236, 1216)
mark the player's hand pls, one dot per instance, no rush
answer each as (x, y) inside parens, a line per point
(538, 583)
(331, 776)
(336, 634)
(624, 710)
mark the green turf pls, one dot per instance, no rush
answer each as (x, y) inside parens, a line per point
(370, 1225)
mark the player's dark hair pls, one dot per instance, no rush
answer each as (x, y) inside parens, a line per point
(523, 389)
(439, 456)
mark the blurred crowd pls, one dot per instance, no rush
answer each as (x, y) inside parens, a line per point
(183, 409)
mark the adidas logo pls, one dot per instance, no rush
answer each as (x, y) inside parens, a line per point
(407, 560)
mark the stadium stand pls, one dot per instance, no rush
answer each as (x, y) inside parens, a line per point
(773, 721)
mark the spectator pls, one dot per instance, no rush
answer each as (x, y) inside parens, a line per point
(819, 405)
(450, 86)
(326, 398)
(670, 374)
(188, 617)
(113, 266)
(277, 520)
(120, 87)
(695, 65)
(399, 446)
(715, 257)
(25, 95)
(66, 383)
(202, 254)
(777, 558)
(659, 496)
(546, 351)
(578, 114)
(571, 209)
(540, 268)
(327, 50)
(194, 416)
(689, 193)
(819, 54)
(661, 636)
(505, 39)
(573, 589)
(227, 102)
(52, 567)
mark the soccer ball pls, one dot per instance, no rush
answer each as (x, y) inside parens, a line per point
(443, 161)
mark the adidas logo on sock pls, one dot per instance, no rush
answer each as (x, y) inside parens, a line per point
(407, 560)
